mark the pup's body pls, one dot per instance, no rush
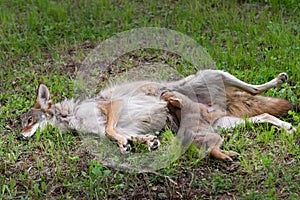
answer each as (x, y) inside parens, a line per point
(132, 111)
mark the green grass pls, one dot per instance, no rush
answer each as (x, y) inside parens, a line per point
(44, 41)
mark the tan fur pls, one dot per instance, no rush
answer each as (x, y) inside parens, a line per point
(241, 104)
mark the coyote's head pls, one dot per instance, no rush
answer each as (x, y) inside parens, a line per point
(39, 115)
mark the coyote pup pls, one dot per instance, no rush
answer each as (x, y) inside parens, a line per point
(131, 111)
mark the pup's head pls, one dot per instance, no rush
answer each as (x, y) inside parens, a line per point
(39, 115)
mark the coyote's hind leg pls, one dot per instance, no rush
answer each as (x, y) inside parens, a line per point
(230, 80)
(231, 122)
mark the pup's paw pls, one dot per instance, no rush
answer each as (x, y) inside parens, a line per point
(231, 154)
(172, 98)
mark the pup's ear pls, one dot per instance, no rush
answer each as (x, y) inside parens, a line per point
(43, 99)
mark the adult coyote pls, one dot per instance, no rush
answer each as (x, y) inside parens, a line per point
(198, 104)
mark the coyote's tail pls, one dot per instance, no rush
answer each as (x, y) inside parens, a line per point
(240, 104)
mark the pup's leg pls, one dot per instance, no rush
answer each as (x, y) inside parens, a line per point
(213, 142)
(113, 110)
(151, 140)
(196, 126)
(230, 80)
(231, 122)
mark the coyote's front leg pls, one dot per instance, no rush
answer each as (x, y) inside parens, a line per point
(112, 110)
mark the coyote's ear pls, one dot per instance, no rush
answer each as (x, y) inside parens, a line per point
(43, 99)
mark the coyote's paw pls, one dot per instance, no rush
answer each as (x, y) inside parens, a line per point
(288, 127)
(153, 143)
(151, 140)
(282, 78)
(125, 147)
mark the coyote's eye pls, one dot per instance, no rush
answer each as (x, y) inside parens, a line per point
(29, 120)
